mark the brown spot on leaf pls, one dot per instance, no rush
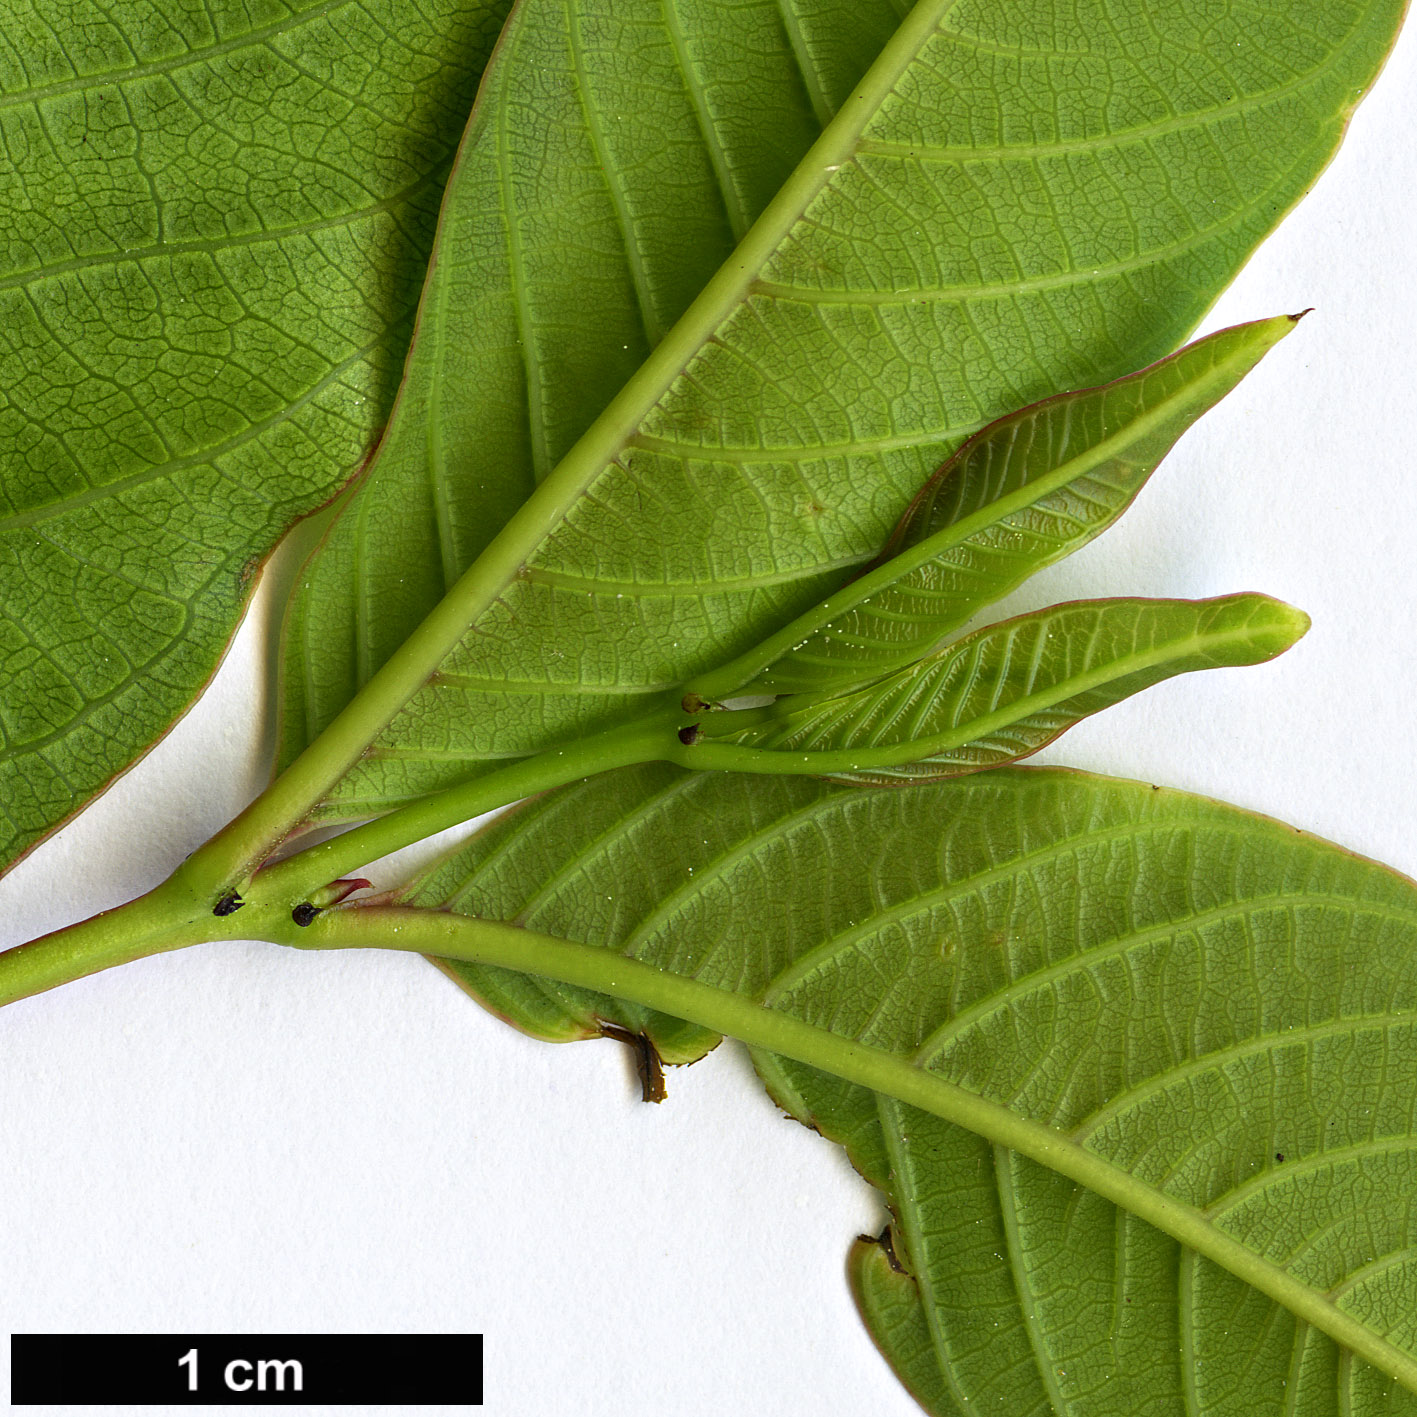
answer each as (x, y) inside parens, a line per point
(250, 569)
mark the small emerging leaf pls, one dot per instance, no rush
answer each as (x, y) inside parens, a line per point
(1024, 492)
(1001, 693)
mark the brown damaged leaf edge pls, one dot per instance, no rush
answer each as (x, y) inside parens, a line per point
(885, 1242)
(649, 1066)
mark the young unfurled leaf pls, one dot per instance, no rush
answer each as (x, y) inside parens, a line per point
(1203, 1007)
(1028, 490)
(998, 694)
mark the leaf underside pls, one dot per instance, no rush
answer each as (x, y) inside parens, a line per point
(1221, 1007)
(621, 152)
(213, 224)
(1015, 202)
(1028, 490)
(1005, 691)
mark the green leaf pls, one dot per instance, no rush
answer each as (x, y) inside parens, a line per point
(1026, 491)
(555, 277)
(999, 694)
(1008, 205)
(215, 220)
(543, 1008)
(888, 1297)
(1202, 1010)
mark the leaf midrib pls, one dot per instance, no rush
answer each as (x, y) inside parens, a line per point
(735, 1015)
(498, 566)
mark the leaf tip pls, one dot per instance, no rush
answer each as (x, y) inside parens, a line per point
(1299, 621)
(1278, 626)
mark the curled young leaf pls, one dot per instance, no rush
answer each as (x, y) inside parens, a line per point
(999, 694)
(1031, 488)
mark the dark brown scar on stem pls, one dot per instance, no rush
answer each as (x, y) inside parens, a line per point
(886, 1240)
(648, 1064)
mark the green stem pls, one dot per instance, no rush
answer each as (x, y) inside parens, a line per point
(168, 918)
(180, 912)
(735, 1015)
(649, 739)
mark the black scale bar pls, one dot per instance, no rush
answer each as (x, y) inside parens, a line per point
(251, 1370)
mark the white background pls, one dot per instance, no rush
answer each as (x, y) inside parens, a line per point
(243, 1138)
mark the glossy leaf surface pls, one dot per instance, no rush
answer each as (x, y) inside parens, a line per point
(1028, 490)
(214, 220)
(1207, 1003)
(1016, 200)
(1001, 693)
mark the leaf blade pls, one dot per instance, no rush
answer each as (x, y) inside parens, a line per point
(1014, 932)
(999, 694)
(709, 531)
(215, 219)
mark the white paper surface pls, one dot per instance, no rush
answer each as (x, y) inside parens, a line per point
(244, 1138)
